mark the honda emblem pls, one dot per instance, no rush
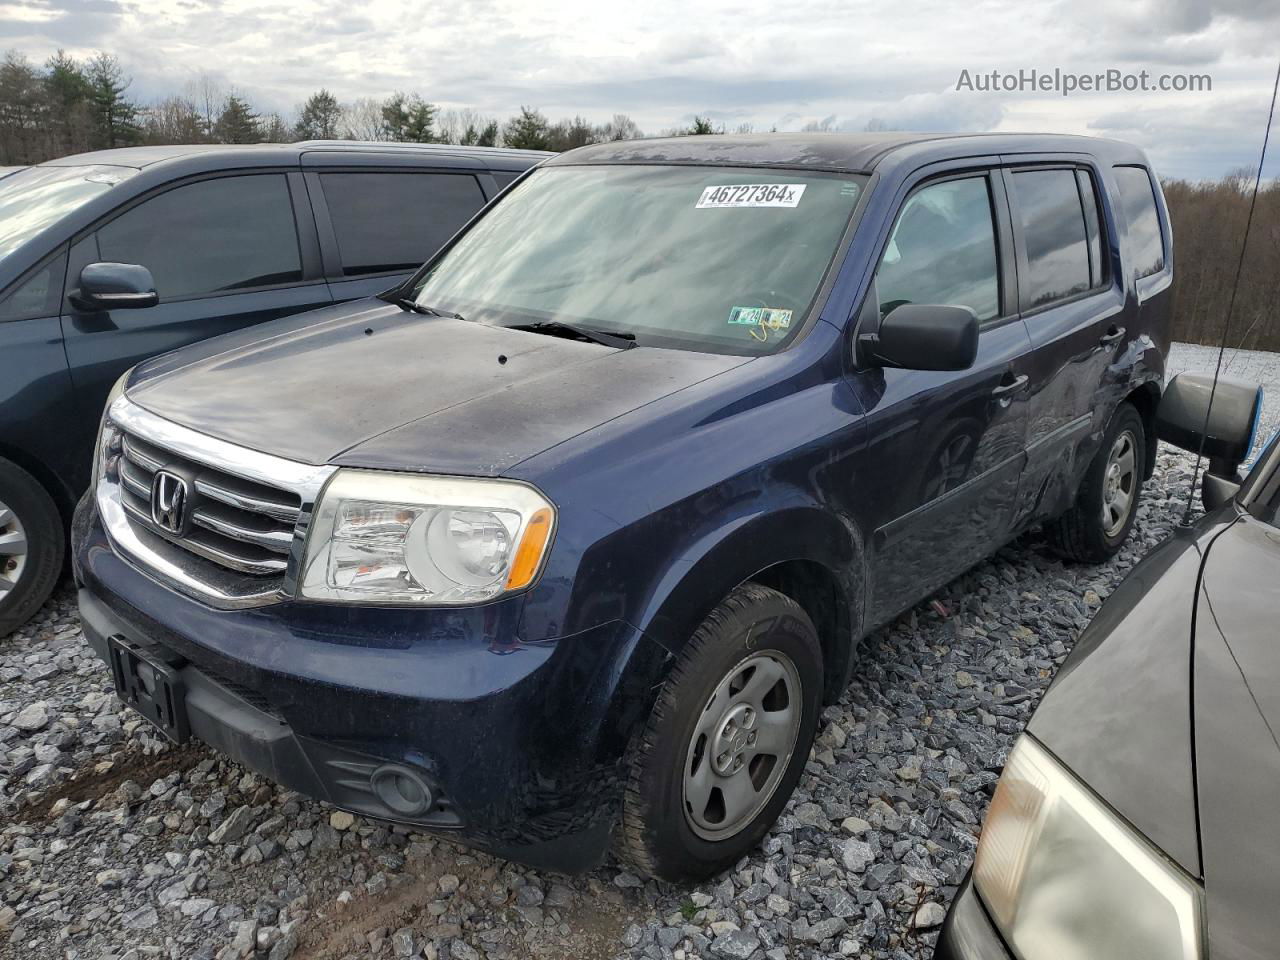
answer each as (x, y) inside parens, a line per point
(168, 501)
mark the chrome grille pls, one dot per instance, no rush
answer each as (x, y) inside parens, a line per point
(241, 525)
(244, 510)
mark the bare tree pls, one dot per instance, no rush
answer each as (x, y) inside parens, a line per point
(362, 120)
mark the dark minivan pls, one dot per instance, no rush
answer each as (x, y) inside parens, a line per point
(568, 539)
(210, 239)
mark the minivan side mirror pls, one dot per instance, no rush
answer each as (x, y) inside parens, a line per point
(924, 336)
(115, 286)
(1225, 430)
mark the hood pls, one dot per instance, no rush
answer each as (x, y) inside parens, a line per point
(1237, 701)
(368, 384)
(1118, 714)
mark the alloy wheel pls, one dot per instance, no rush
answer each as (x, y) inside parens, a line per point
(1119, 484)
(13, 549)
(742, 745)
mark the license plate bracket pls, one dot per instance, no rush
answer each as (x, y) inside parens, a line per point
(148, 681)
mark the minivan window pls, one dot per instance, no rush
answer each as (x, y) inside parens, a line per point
(389, 222)
(943, 250)
(37, 197)
(1053, 234)
(1138, 199)
(36, 294)
(705, 258)
(211, 236)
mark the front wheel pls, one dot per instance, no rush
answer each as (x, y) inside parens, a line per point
(32, 545)
(726, 741)
(1097, 525)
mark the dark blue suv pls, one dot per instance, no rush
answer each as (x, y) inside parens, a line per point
(208, 238)
(567, 540)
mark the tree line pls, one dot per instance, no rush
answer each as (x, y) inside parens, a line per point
(70, 106)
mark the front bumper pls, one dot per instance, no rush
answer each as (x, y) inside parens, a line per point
(520, 741)
(968, 933)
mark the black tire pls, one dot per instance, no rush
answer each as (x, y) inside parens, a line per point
(1080, 533)
(655, 835)
(45, 537)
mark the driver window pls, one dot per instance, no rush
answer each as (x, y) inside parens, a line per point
(943, 250)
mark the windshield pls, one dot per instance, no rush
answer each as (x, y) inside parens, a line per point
(704, 258)
(34, 198)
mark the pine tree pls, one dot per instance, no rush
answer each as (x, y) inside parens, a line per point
(409, 119)
(528, 131)
(69, 114)
(319, 117)
(273, 129)
(115, 117)
(237, 123)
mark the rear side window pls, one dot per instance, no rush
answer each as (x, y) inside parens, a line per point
(1054, 236)
(212, 236)
(1137, 197)
(394, 222)
(943, 250)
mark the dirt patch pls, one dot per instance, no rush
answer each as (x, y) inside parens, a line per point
(421, 905)
(91, 785)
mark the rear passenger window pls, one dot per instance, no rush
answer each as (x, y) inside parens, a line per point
(943, 250)
(212, 236)
(1092, 229)
(394, 222)
(1137, 196)
(1053, 234)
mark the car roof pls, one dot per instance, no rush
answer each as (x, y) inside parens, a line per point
(141, 157)
(842, 152)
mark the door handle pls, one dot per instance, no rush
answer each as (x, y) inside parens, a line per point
(1010, 387)
(1111, 336)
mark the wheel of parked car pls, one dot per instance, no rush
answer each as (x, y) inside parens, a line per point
(1094, 529)
(31, 546)
(727, 738)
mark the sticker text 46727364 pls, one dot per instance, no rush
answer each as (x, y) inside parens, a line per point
(751, 195)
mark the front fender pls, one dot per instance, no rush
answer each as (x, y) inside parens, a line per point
(728, 554)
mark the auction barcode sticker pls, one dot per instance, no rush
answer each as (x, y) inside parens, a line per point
(751, 195)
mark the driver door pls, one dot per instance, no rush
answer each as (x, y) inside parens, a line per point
(947, 448)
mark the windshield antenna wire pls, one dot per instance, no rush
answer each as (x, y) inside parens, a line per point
(1226, 326)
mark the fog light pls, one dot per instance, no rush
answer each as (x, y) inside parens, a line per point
(402, 790)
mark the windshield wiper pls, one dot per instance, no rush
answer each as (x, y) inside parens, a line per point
(619, 340)
(413, 306)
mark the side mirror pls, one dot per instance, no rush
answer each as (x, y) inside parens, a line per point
(115, 286)
(924, 336)
(1223, 421)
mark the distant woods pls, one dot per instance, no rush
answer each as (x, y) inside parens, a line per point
(70, 106)
(1208, 224)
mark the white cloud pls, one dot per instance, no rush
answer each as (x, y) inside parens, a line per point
(751, 62)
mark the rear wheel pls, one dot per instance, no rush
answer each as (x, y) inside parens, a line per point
(726, 741)
(32, 545)
(1098, 524)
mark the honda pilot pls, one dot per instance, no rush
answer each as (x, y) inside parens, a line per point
(564, 543)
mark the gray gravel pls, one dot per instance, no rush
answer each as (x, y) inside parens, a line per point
(114, 845)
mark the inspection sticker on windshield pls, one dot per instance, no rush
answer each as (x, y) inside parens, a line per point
(751, 195)
(771, 317)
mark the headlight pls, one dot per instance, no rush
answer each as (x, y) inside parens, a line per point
(1067, 879)
(106, 451)
(399, 538)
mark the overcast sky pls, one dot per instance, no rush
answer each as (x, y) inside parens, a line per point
(893, 64)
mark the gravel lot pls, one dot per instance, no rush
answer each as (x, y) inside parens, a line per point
(117, 846)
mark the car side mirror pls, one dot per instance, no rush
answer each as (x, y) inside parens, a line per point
(115, 286)
(924, 336)
(1223, 421)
